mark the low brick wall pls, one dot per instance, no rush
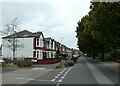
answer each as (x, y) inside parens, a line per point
(52, 61)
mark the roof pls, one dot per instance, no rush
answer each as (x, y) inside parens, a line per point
(48, 39)
(24, 34)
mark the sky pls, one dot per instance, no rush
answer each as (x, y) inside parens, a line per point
(55, 18)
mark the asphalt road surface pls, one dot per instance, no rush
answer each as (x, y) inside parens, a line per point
(86, 72)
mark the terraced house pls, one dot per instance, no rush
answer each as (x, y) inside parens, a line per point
(50, 47)
(32, 45)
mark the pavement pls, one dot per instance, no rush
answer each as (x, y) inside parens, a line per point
(14, 77)
(109, 68)
(86, 72)
(18, 76)
(113, 65)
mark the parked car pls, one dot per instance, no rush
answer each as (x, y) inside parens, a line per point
(1, 61)
(76, 56)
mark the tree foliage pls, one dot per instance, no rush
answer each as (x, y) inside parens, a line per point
(99, 31)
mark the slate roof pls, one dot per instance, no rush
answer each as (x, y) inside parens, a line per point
(48, 39)
(24, 34)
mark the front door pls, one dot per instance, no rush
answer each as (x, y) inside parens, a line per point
(44, 55)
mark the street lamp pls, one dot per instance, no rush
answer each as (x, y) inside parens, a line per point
(61, 39)
(61, 43)
(61, 52)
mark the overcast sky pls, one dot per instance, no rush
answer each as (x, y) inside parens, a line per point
(55, 18)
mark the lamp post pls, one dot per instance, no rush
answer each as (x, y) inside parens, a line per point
(61, 52)
(61, 43)
(61, 39)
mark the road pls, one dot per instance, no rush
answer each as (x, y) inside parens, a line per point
(86, 72)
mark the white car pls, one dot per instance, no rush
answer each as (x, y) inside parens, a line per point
(1, 61)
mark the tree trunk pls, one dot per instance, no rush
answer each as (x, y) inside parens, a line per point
(13, 54)
(93, 52)
(102, 53)
(93, 56)
(90, 55)
(14, 48)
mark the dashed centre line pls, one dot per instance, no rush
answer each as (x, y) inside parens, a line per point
(53, 80)
(60, 77)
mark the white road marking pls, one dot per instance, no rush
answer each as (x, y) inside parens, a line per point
(59, 74)
(63, 70)
(62, 77)
(58, 84)
(60, 80)
(67, 71)
(38, 69)
(53, 80)
(56, 77)
(35, 79)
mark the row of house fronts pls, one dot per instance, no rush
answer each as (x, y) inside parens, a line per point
(32, 45)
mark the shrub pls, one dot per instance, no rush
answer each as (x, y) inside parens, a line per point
(69, 63)
(10, 65)
(17, 62)
(64, 64)
(23, 63)
(6, 60)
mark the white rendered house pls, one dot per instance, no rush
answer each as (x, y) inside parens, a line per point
(28, 45)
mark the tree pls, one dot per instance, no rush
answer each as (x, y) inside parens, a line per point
(10, 36)
(86, 42)
(105, 29)
(98, 32)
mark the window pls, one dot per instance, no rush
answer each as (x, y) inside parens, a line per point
(41, 42)
(51, 54)
(37, 41)
(48, 54)
(47, 44)
(37, 54)
(51, 45)
(34, 53)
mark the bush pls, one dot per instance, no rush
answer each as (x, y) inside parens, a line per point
(69, 63)
(23, 63)
(65, 64)
(6, 60)
(20, 62)
(10, 65)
